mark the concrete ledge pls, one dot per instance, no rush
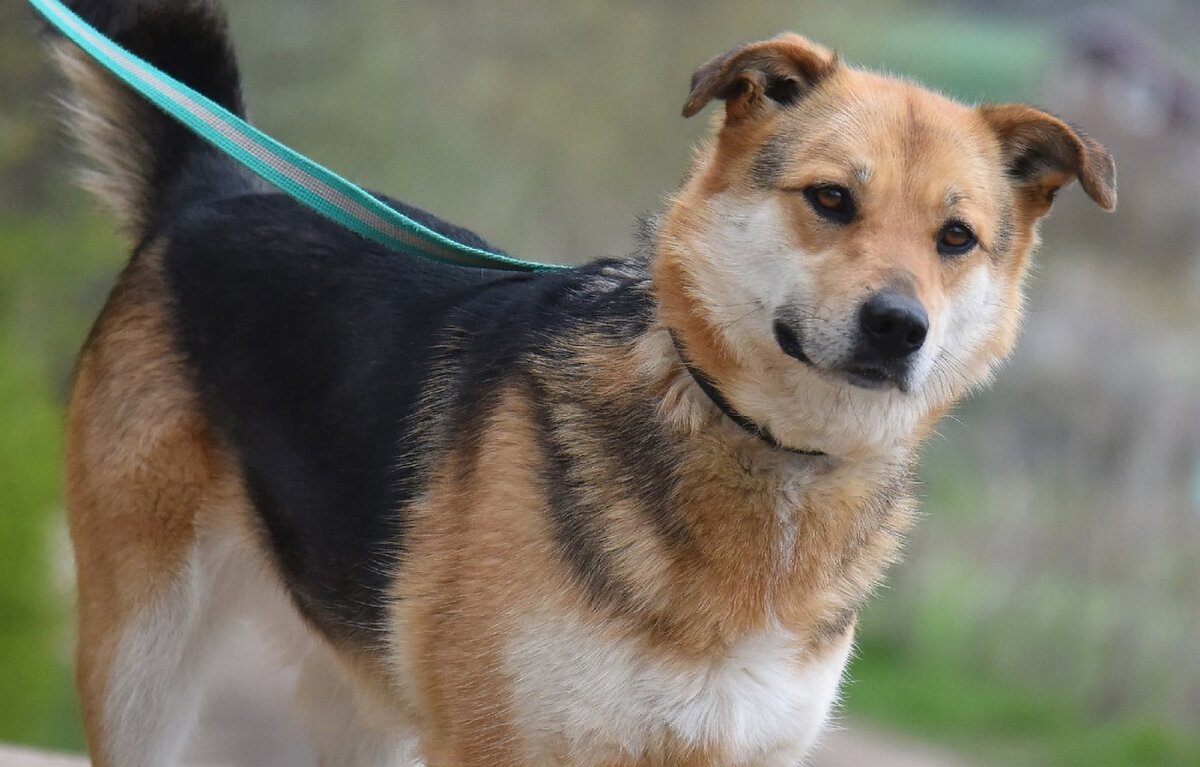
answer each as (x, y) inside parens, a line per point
(22, 757)
(841, 748)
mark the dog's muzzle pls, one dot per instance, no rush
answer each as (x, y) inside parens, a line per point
(891, 329)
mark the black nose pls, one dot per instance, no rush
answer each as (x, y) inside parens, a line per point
(893, 325)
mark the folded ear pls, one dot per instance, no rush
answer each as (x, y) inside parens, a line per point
(1044, 153)
(752, 78)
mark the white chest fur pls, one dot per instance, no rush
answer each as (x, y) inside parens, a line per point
(591, 699)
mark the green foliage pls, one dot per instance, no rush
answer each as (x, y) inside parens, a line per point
(31, 615)
(970, 59)
(997, 720)
(43, 314)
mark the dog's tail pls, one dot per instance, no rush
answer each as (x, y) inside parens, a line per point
(143, 164)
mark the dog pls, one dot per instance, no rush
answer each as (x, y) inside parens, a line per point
(621, 515)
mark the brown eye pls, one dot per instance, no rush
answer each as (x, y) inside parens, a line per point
(832, 202)
(830, 197)
(955, 239)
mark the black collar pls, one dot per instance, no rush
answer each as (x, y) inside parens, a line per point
(709, 387)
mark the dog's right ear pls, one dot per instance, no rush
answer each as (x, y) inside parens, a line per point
(1043, 153)
(760, 76)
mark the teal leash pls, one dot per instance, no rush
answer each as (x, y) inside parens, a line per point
(311, 184)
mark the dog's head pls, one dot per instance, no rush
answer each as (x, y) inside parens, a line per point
(846, 258)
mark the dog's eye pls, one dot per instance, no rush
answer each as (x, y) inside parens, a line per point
(832, 202)
(955, 239)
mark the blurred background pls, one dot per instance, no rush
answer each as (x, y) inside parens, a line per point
(1048, 612)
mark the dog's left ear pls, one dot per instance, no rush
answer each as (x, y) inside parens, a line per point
(756, 77)
(1043, 153)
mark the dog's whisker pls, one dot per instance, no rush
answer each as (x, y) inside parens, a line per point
(729, 324)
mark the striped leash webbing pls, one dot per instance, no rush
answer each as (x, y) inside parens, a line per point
(317, 187)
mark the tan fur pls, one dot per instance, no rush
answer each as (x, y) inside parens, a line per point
(139, 461)
(480, 513)
(727, 584)
(101, 114)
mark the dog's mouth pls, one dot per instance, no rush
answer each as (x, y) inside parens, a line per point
(865, 375)
(872, 377)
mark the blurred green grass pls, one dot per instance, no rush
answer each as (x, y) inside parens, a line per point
(32, 676)
(925, 692)
(44, 312)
